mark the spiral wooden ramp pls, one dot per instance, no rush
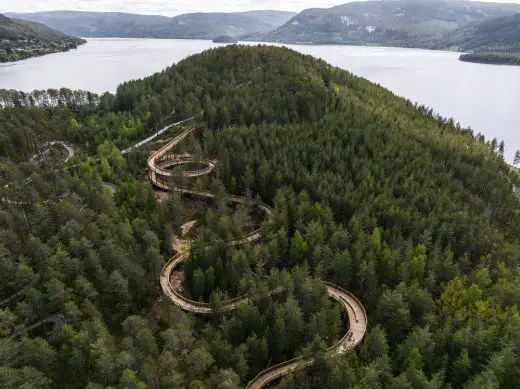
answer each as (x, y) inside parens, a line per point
(159, 164)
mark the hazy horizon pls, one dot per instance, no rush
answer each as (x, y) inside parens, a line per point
(163, 7)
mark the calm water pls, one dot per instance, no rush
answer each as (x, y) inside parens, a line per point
(485, 97)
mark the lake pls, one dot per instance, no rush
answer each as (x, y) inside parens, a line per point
(484, 97)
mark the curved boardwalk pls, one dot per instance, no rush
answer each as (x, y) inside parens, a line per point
(160, 132)
(159, 163)
(47, 148)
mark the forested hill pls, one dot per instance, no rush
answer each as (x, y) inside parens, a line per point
(21, 39)
(125, 25)
(416, 216)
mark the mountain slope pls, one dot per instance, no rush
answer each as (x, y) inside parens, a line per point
(195, 25)
(210, 25)
(95, 24)
(23, 39)
(501, 34)
(22, 29)
(399, 23)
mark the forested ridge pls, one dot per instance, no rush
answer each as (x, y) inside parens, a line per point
(20, 39)
(416, 216)
(499, 58)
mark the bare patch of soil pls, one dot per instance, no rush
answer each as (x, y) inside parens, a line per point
(160, 196)
(177, 281)
(181, 245)
(186, 227)
(178, 245)
(156, 312)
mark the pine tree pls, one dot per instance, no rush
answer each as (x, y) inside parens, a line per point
(516, 161)
(501, 148)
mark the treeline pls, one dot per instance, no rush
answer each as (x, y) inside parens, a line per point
(17, 50)
(499, 58)
(49, 98)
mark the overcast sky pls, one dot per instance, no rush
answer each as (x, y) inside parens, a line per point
(169, 7)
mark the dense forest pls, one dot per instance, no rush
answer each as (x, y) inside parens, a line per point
(414, 214)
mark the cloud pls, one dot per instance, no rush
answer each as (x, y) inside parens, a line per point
(162, 7)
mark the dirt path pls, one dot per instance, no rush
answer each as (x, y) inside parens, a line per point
(180, 246)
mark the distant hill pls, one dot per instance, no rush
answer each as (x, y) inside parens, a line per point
(501, 34)
(408, 23)
(22, 29)
(192, 26)
(20, 39)
(95, 24)
(209, 25)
